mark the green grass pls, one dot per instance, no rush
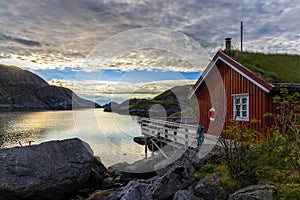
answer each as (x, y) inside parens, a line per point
(208, 169)
(276, 68)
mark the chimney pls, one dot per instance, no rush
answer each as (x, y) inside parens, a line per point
(228, 44)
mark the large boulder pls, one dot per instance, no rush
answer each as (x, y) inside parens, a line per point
(211, 189)
(255, 192)
(173, 158)
(141, 169)
(179, 176)
(173, 174)
(51, 170)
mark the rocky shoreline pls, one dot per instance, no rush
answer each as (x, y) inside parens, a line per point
(67, 169)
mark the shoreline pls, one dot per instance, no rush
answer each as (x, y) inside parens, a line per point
(82, 176)
(41, 110)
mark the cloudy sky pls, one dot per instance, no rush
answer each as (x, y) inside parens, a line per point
(66, 40)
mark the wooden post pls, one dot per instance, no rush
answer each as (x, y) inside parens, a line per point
(186, 141)
(152, 148)
(146, 147)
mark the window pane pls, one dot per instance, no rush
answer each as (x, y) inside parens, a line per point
(244, 100)
(244, 107)
(241, 106)
(244, 113)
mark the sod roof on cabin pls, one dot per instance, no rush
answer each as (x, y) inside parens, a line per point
(274, 68)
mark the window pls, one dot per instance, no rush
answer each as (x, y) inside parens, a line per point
(241, 107)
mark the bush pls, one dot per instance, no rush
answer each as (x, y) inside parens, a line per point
(205, 170)
(269, 175)
(208, 168)
(293, 194)
(237, 142)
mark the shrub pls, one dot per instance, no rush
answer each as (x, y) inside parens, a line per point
(293, 194)
(288, 127)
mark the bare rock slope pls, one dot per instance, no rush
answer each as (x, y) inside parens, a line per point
(21, 89)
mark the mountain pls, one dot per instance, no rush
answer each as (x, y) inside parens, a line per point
(176, 93)
(21, 89)
(174, 102)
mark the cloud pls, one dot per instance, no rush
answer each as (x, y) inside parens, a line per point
(20, 40)
(151, 59)
(108, 90)
(65, 31)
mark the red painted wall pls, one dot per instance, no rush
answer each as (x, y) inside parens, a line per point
(260, 102)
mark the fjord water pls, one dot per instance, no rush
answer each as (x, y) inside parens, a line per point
(110, 135)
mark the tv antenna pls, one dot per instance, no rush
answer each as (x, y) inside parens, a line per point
(242, 27)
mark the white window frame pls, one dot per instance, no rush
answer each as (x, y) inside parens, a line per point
(240, 96)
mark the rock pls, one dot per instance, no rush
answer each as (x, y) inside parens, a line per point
(111, 106)
(83, 194)
(184, 195)
(211, 157)
(142, 169)
(108, 183)
(210, 189)
(172, 177)
(51, 170)
(133, 190)
(116, 169)
(178, 177)
(95, 179)
(174, 158)
(99, 194)
(254, 192)
(140, 140)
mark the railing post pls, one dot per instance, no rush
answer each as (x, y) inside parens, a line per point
(152, 148)
(186, 137)
(146, 147)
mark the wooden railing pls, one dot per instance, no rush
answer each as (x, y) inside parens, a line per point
(174, 134)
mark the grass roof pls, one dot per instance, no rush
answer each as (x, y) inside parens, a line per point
(275, 68)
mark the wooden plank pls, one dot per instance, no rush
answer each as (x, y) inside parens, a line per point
(185, 135)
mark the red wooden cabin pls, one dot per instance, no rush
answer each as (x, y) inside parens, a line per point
(246, 95)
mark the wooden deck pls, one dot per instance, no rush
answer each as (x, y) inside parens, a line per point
(175, 134)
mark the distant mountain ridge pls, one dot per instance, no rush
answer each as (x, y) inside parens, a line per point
(175, 101)
(21, 89)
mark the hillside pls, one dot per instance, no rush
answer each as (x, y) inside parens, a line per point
(21, 89)
(275, 68)
(177, 92)
(174, 102)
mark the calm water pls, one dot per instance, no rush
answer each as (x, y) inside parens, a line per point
(110, 135)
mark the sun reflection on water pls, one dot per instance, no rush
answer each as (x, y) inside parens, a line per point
(110, 135)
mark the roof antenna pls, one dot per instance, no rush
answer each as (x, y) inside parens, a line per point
(242, 27)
